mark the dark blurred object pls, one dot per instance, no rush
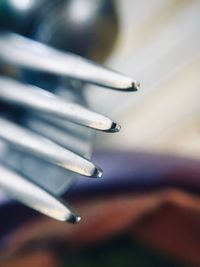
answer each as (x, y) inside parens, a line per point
(85, 27)
(18, 15)
(163, 215)
(116, 252)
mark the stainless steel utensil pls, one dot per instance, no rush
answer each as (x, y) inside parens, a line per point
(41, 127)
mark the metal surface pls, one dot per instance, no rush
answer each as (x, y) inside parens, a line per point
(22, 52)
(41, 126)
(32, 143)
(34, 196)
(40, 100)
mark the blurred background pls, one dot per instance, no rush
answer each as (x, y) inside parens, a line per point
(146, 209)
(159, 45)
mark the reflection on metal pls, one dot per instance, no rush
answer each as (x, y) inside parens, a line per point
(42, 132)
(39, 100)
(22, 52)
(32, 143)
(32, 195)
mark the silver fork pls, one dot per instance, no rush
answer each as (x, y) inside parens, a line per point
(42, 135)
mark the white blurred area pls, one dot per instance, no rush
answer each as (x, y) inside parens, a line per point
(159, 45)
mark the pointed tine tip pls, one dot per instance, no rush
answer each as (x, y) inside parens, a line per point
(97, 173)
(115, 128)
(73, 218)
(135, 86)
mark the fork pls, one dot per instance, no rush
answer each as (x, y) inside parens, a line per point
(45, 124)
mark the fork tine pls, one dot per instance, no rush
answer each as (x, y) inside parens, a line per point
(26, 53)
(34, 196)
(38, 99)
(31, 142)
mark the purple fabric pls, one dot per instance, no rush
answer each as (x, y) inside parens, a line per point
(123, 171)
(140, 172)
